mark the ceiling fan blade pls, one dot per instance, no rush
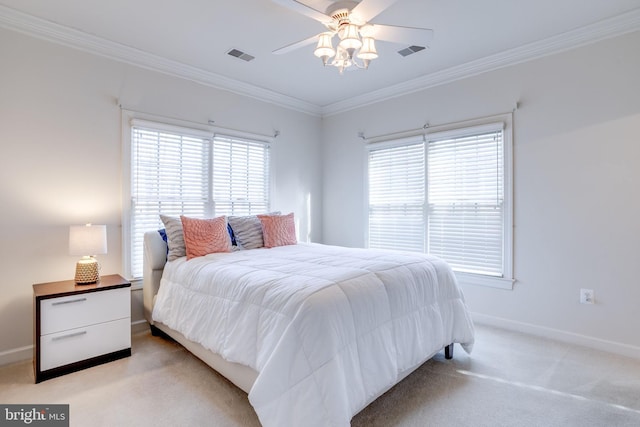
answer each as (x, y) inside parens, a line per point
(297, 45)
(369, 9)
(402, 35)
(304, 10)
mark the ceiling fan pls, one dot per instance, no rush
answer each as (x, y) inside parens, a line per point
(349, 20)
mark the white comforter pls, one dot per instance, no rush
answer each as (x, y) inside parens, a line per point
(327, 328)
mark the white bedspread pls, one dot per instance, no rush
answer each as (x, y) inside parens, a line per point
(327, 328)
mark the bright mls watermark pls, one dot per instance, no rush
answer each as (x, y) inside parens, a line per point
(34, 415)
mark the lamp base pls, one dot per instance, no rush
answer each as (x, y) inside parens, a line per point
(87, 271)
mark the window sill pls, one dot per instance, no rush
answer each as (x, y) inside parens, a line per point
(136, 284)
(491, 282)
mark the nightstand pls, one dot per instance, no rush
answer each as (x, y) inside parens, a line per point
(78, 326)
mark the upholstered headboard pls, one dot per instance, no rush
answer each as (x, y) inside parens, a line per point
(155, 257)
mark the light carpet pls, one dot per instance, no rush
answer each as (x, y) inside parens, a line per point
(510, 379)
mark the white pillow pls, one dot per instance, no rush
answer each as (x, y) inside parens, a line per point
(248, 230)
(175, 237)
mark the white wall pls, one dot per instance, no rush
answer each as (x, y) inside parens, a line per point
(60, 160)
(576, 154)
(576, 178)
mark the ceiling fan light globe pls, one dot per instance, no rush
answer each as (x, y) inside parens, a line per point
(347, 44)
(325, 47)
(367, 56)
(368, 50)
(349, 37)
(321, 52)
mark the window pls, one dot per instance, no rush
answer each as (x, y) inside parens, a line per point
(466, 201)
(240, 176)
(397, 197)
(180, 171)
(447, 193)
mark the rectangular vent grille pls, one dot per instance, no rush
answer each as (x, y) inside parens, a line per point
(240, 55)
(410, 50)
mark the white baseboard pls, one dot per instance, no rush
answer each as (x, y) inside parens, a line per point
(558, 335)
(16, 355)
(139, 326)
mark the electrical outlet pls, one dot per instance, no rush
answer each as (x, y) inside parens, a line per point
(587, 296)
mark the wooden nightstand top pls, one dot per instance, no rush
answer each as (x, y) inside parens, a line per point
(69, 287)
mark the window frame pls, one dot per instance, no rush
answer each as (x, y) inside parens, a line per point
(451, 131)
(129, 119)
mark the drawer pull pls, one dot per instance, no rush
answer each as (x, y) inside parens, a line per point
(75, 334)
(69, 301)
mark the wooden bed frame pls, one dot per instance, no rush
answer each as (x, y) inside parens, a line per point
(155, 257)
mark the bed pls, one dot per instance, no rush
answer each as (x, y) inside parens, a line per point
(312, 333)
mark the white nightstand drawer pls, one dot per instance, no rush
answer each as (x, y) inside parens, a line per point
(84, 309)
(83, 343)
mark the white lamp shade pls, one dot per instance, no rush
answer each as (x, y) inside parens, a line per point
(324, 48)
(368, 50)
(87, 240)
(349, 37)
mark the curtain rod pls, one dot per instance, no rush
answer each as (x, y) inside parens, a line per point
(210, 123)
(426, 126)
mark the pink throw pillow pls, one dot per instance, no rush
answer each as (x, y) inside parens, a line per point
(278, 230)
(205, 236)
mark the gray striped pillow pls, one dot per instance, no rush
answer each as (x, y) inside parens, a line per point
(175, 237)
(248, 230)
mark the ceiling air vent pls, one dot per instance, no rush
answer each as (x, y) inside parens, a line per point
(241, 55)
(410, 50)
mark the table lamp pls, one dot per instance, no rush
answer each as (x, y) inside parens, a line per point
(87, 241)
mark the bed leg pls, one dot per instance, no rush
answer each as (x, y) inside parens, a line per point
(155, 331)
(448, 351)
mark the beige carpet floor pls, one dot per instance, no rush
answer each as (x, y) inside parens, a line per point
(510, 379)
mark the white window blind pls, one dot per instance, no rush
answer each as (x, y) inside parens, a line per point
(240, 176)
(178, 171)
(466, 202)
(169, 176)
(397, 197)
(449, 196)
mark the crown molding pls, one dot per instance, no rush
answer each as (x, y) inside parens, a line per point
(27, 24)
(36, 27)
(605, 29)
